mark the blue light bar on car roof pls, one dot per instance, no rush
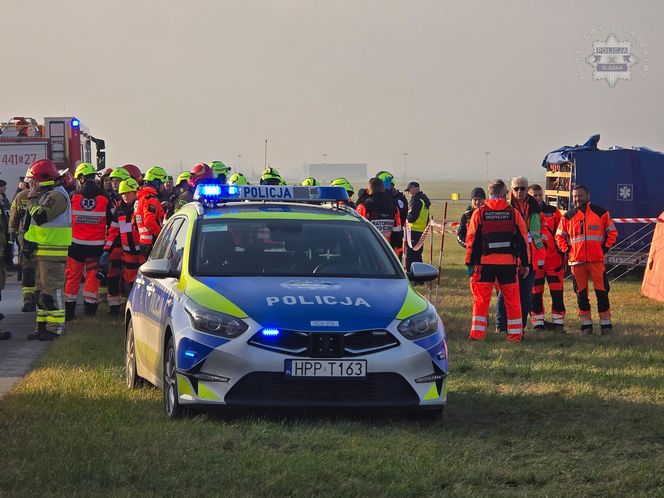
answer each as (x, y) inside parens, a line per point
(214, 192)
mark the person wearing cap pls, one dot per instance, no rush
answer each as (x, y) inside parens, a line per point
(419, 211)
(477, 198)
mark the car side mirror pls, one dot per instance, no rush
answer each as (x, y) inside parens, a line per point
(422, 272)
(158, 268)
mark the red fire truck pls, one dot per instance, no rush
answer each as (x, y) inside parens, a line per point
(64, 140)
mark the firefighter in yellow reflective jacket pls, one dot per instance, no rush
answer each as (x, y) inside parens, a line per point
(50, 232)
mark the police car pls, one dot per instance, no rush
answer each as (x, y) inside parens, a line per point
(264, 296)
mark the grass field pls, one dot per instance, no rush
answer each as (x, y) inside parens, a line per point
(557, 415)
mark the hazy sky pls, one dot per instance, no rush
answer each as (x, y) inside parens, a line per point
(165, 81)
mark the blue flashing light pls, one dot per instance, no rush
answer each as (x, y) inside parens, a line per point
(75, 123)
(215, 192)
(208, 191)
(270, 332)
(190, 354)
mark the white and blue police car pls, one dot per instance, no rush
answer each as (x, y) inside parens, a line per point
(271, 296)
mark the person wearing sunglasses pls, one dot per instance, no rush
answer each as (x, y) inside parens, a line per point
(530, 211)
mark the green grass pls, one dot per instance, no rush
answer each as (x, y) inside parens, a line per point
(558, 415)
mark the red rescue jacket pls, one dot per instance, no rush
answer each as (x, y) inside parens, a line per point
(90, 216)
(149, 215)
(123, 230)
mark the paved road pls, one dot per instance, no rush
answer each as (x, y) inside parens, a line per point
(17, 355)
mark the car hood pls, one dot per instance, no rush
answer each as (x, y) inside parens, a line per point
(306, 304)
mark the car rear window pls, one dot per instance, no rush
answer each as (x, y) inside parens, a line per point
(291, 247)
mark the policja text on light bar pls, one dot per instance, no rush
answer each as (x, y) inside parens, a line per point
(212, 192)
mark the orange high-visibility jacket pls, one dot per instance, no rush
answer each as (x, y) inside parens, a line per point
(496, 235)
(586, 234)
(149, 215)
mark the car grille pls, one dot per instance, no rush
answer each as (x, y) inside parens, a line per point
(275, 389)
(325, 344)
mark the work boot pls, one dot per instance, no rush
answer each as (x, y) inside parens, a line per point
(90, 309)
(29, 307)
(2, 316)
(538, 328)
(70, 311)
(47, 336)
(19, 274)
(114, 310)
(558, 327)
(41, 329)
(606, 329)
(586, 330)
(5, 335)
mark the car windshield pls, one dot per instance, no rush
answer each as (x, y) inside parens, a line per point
(290, 247)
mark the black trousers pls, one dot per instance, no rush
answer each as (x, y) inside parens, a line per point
(411, 255)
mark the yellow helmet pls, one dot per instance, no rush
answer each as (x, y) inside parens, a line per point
(84, 169)
(343, 182)
(309, 182)
(219, 168)
(128, 185)
(183, 177)
(120, 173)
(156, 173)
(237, 179)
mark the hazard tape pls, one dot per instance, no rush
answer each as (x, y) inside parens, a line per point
(450, 227)
(424, 236)
(638, 220)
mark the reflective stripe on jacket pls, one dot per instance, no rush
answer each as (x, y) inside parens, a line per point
(89, 219)
(586, 234)
(149, 215)
(123, 231)
(53, 237)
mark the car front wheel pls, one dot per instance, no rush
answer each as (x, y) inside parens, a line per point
(171, 398)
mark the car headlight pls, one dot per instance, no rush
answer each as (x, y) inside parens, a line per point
(420, 325)
(214, 322)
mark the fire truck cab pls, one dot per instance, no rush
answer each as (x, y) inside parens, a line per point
(65, 140)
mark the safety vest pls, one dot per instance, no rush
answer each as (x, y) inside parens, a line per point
(53, 238)
(498, 230)
(89, 219)
(420, 224)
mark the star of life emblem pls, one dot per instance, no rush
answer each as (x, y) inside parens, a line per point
(612, 60)
(88, 203)
(625, 192)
